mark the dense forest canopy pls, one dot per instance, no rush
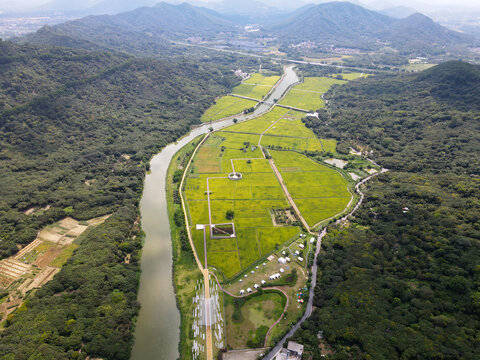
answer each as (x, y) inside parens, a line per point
(77, 130)
(402, 281)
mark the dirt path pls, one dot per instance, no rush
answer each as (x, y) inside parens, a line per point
(280, 179)
(289, 197)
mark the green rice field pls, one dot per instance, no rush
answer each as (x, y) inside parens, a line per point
(227, 106)
(256, 87)
(319, 191)
(308, 95)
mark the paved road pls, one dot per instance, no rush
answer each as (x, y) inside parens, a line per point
(308, 310)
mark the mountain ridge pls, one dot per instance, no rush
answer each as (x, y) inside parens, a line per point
(346, 24)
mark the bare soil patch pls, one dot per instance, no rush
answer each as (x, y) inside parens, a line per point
(48, 257)
(243, 354)
(336, 162)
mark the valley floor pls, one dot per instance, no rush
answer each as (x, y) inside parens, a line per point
(255, 195)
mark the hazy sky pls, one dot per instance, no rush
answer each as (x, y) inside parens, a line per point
(25, 4)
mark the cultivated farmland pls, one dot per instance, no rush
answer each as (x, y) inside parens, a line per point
(308, 95)
(319, 191)
(256, 87)
(227, 106)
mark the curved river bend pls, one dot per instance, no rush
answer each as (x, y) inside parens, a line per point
(157, 333)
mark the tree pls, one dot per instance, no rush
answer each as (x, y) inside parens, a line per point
(229, 214)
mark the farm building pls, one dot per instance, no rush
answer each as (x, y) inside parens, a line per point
(300, 259)
(249, 290)
(242, 292)
(295, 349)
(301, 246)
(282, 260)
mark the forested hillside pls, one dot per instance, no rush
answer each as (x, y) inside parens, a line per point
(348, 25)
(77, 130)
(143, 31)
(402, 281)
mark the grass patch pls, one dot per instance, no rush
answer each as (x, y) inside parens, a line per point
(64, 256)
(248, 319)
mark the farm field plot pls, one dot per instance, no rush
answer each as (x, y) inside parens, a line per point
(250, 199)
(261, 123)
(260, 79)
(256, 87)
(249, 202)
(351, 76)
(227, 106)
(308, 95)
(318, 191)
(38, 262)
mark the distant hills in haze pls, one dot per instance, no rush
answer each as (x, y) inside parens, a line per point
(349, 25)
(334, 24)
(141, 31)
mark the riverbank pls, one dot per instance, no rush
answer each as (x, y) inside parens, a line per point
(185, 270)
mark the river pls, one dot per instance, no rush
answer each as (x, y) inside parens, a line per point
(157, 333)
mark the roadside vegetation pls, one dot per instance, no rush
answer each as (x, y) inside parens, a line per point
(185, 269)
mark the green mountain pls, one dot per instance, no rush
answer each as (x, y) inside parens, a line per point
(142, 31)
(77, 130)
(455, 83)
(402, 281)
(341, 23)
(421, 33)
(347, 25)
